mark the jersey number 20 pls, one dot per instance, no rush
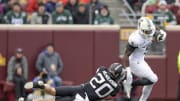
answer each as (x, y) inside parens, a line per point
(103, 86)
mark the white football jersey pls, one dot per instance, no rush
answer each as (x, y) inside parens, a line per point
(141, 43)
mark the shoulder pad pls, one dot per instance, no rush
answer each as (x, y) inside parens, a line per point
(133, 41)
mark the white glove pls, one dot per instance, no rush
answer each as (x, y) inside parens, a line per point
(161, 36)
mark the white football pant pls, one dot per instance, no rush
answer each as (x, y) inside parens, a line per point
(142, 69)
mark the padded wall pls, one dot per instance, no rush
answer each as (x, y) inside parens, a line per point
(173, 46)
(32, 42)
(3, 51)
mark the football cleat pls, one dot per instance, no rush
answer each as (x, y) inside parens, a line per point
(30, 85)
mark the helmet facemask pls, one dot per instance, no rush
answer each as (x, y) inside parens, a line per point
(116, 71)
(145, 26)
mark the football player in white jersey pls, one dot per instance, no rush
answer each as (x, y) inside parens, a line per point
(134, 56)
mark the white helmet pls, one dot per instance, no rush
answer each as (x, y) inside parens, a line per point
(146, 27)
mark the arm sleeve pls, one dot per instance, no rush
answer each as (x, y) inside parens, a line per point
(10, 69)
(39, 63)
(50, 19)
(33, 19)
(25, 66)
(178, 62)
(60, 64)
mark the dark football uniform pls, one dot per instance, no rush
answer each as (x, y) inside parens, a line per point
(99, 87)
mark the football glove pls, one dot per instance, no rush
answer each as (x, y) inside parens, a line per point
(161, 36)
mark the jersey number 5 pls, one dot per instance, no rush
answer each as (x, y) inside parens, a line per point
(104, 89)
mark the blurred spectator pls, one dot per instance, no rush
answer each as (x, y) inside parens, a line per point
(104, 17)
(61, 15)
(150, 6)
(173, 8)
(18, 72)
(39, 93)
(23, 4)
(93, 9)
(163, 16)
(178, 17)
(136, 5)
(51, 62)
(178, 64)
(9, 5)
(82, 16)
(72, 6)
(84, 1)
(170, 1)
(16, 16)
(51, 5)
(32, 6)
(4, 1)
(41, 16)
(2, 7)
(131, 3)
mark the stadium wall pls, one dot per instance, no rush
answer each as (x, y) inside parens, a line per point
(83, 48)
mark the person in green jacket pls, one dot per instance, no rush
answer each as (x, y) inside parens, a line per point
(16, 15)
(178, 64)
(104, 17)
(163, 16)
(61, 15)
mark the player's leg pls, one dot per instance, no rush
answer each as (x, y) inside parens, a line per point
(67, 90)
(57, 91)
(142, 70)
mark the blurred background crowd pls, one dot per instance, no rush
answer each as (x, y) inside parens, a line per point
(124, 12)
(54, 12)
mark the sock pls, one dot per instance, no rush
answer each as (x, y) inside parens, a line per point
(142, 82)
(146, 92)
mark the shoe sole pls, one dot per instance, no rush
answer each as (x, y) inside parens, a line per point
(28, 85)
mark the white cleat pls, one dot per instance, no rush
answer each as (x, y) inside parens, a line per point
(21, 99)
(127, 89)
(28, 85)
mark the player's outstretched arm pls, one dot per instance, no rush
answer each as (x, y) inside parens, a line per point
(41, 85)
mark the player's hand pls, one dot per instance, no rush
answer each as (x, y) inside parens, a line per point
(30, 85)
(161, 36)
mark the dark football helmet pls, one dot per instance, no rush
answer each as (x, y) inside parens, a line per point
(116, 71)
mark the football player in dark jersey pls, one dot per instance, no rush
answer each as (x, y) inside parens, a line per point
(106, 82)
